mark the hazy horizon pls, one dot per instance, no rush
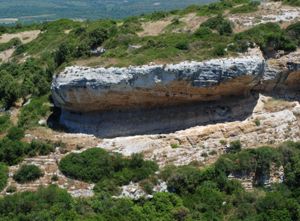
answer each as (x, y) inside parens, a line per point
(36, 11)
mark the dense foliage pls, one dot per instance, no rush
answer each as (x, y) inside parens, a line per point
(97, 165)
(3, 176)
(28, 173)
(21, 80)
(13, 151)
(194, 194)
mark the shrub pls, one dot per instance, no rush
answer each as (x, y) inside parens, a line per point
(11, 189)
(4, 123)
(218, 23)
(54, 178)
(293, 31)
(33, 112)
(28, 173)
(95, 165)
(219, 50)
(182, 45)
(3, 176)
(175, 146)
(184, 179)
(41, 148)
(235, 146)
(147, 186)
(15, 133)
(203, 32)
(269, 37)
(257, 122)
(11, 152)
(97, 37)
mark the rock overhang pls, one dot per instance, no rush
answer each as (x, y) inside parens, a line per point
(86, 89)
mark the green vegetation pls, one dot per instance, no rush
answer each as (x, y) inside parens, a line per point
(235, 146)
(12, 152)
(15, 133)
(219, 24)
(269, 37)
(28, 173)
(293, 31)
(97, 165)
(31, 114)
(4, 123)
(3, 176)
(292, 2)
(20, 80)
(194, 194)
(64, 42)
(15, 42)
(175, 146)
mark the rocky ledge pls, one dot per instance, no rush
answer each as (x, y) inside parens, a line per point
(85, 89)
(164, 98)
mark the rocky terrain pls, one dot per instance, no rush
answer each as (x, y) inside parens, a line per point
(268, 114)
(167, 98)
(178, 113)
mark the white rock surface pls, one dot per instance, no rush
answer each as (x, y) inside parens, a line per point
(84, 89)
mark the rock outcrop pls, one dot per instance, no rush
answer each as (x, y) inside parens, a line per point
(164, 98)
(95, 89)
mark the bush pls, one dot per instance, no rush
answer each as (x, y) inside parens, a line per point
(15, 133)
(203, 32)
(4, 123)
(40, 148)
(219, 50)
(11, 152)
(3, 176)
(33, 112)
(184, 179)
(293, 31)
(182, 45)
(28, 173)
(269, 37)
(235, 146)
(95, 165)
(223, 26)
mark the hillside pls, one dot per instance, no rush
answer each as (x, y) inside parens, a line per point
(190, 114)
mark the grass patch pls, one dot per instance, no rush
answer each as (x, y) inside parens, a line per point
(31, 114)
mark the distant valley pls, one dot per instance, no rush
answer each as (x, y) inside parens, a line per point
(37, 11)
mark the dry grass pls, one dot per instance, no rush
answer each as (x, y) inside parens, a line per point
(25, 37)
(275, 105)
(154, 28)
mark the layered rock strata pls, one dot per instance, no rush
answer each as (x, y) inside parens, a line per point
(164, 98)
(83, 89)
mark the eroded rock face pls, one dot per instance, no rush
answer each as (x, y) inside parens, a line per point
(82, 89)
(165, 98)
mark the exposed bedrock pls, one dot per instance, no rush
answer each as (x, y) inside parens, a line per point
(95, 89)
(164, 98)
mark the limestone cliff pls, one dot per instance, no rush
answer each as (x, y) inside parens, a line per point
(165, 98)
(94, 89)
